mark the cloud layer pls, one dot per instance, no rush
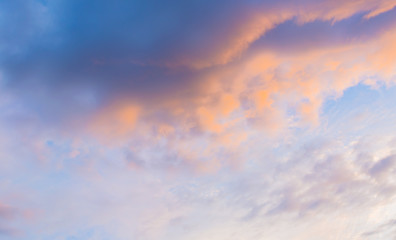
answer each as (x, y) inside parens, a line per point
(197, 120)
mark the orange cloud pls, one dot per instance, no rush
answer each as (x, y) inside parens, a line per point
(265, 91)
(256, 22)
(115, 121)
(304, 80)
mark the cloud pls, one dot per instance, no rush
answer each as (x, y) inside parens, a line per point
(185, 118)
(114, 73)
(196, 120)
(381, 167)
(6, 212)
(381, 228)
(7, 215)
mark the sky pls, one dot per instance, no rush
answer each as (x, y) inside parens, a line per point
(215, 120)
